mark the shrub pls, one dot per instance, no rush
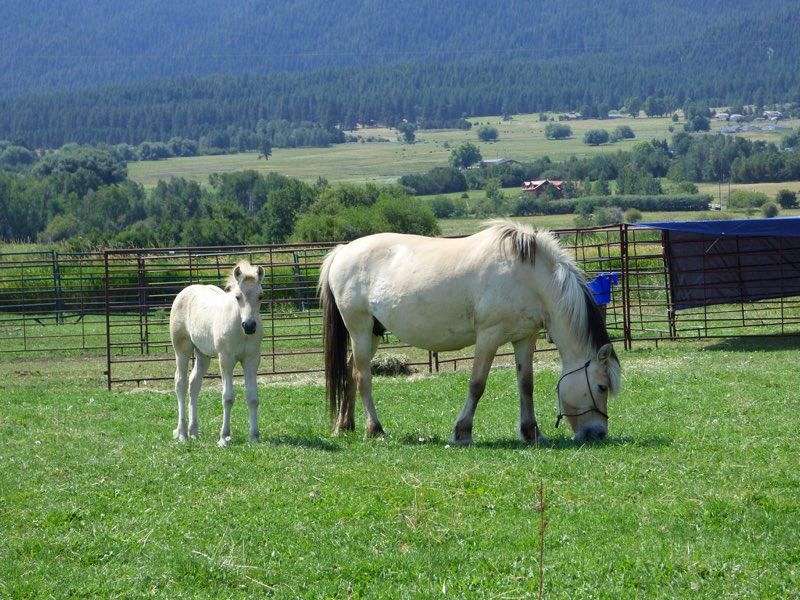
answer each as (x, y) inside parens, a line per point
(391, 365)
(527, 205)
(439, 180)
(487, 133)
(786, 199)
(746, 199)
(622, 132)
(583, 221)
(608, 215)
(770, 209)
(595, 137)
(686, 187)
(557, 131)
(447, 208)
(632, 215)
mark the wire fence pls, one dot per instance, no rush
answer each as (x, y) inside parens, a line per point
(113, 306)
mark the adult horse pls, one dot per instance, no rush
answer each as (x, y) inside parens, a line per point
(207, 321)
(500, 285)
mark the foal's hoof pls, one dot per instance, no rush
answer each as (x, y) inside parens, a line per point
(178, 435)
(255, 438)
(532, 436)
(224, 442)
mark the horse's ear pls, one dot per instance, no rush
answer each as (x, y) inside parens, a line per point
(606, 353)
(261, 273)
(237, 272)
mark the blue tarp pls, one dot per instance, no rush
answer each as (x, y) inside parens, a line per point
(723, 262)
(600, 287)
(779, 226)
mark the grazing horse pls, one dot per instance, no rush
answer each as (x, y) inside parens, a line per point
(207, 321)
(500, 285)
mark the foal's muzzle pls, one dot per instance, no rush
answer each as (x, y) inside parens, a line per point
(249, 327)
(594, 432)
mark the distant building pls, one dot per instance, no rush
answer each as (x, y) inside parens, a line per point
(736, 118)
(722, 116)
(773, 115)
(540, 186)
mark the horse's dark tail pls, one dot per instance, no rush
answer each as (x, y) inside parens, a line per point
(339, 382)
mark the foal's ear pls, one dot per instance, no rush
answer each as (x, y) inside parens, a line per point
(606, 353)
(237, 273)
(261, 273)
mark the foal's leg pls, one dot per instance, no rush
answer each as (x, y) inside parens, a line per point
(528, 429)
(251, 393)
(364, 347)
(201, 362)
(181, 384)
(485, 348)
(226, 370)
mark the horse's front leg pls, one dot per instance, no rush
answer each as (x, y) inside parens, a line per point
(485, 349)
(528, 428)
(251, 393)
(226, 370)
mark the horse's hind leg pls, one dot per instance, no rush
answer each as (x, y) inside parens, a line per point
(485, 348)
(251, 394)
(201, 362)
(528, 429)
(226, 370)
(181, 385)
(365, 345)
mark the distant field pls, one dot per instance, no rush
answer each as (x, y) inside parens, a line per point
(770, 189)
(521, 138)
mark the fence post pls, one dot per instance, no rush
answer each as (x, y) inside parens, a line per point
(57, 290)
(106, 284)
(627, 337)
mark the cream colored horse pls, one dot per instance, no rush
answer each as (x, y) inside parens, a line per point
(207, 321)
(497, 286)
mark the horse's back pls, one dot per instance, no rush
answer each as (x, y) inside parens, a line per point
(424, 290)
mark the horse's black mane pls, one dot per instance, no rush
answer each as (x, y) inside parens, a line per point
(598, 334)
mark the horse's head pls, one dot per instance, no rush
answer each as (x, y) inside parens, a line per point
(245, 284)
(583, 392)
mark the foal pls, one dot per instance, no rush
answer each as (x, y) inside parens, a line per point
(207, 321)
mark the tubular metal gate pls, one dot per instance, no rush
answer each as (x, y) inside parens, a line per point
(114, 305)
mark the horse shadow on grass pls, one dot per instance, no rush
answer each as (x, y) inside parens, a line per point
(756, 344)
(553, 443)
(309, 442)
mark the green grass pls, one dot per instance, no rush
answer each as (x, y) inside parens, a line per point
(695, 495)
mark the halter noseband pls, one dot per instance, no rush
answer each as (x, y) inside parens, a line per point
(594, 408)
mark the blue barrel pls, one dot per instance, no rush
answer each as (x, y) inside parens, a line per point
(600, 287)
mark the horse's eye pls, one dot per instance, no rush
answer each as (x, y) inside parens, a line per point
(603, 388)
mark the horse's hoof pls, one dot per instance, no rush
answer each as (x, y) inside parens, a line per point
(532, 437)
(194, 433)
(178, 435)
(463, 440)
(375, 431)
(224, 442)
(254, 439)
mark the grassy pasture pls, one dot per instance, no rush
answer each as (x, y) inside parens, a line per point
(522, 138)
(695, 494)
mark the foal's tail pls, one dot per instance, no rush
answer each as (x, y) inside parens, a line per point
(338, 370)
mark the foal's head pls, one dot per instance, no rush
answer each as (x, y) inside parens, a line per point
(244, 283)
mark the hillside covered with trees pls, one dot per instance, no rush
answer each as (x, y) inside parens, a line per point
(134, 71)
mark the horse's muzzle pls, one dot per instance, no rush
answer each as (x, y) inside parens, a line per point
(249, 327)
(592, 433)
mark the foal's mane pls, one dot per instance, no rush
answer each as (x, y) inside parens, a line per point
(574, 299)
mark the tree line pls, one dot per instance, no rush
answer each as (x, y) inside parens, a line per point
(81, 196)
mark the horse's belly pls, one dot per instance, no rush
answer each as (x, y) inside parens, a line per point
(435, 323)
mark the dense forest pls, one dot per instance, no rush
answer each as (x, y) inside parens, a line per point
(153, 71)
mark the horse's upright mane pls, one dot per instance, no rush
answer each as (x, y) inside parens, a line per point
(574, 299)
(249, 272)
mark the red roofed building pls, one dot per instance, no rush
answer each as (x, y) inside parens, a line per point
(540, 186)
